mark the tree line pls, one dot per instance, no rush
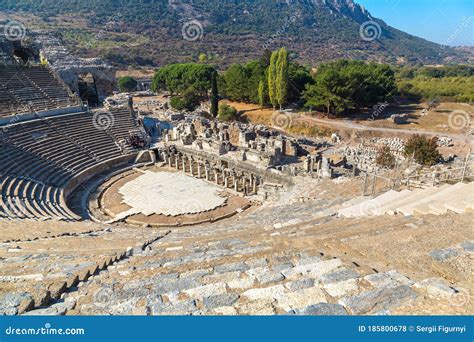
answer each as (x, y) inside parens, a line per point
(447, 83)
(340, 87)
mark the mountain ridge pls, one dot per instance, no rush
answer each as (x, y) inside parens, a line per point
(230, 31)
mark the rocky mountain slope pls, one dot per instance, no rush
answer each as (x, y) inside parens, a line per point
(154, 32)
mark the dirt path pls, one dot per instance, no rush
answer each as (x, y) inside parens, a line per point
(350, 125)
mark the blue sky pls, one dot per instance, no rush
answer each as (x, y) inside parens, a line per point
(449, 22)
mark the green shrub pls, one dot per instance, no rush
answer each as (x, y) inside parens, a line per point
(188, 100)
(385, 157)
(227, 113)
(424, 150)
(127, 84)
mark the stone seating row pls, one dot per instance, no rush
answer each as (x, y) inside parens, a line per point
(457, 198)
(23, 89)
(38, 158)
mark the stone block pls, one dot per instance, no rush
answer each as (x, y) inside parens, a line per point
(468, 246)
(339, 275)
(307, 261)
(16, 303)
(270, 277)
(238, 266)
(379, 299)
(301, 298)
(222, 300)
(281, 267)
(390, 278)
(175, 285)
(254, 263)
(266, 293)
(443, 254)
(222, 277)
(299, 284)
(435, 287)
(206, 290)
(181, 308)
(314, 270)
(261, 307)
(241, 283)
(196, 273)
(322, 309)
(225, 311)
(341, 288)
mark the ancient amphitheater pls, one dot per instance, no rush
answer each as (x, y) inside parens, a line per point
(97, 217)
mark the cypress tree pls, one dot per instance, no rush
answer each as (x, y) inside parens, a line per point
(261, 93)
(282, 80)
(272, 73)
(214, 95)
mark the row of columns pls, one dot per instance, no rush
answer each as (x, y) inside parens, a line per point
(239, 181)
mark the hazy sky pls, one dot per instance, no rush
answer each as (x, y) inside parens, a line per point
(448, 22)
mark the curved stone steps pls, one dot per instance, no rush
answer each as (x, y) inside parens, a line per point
(254, 286)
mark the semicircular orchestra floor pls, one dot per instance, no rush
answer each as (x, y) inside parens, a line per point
(161, 197)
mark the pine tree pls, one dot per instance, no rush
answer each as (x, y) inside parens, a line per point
(281, 85)
(214, 95)
(272, 73)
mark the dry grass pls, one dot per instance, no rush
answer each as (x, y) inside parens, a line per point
(137, 73)
(436, 120)
(252, 112)
(263, 116)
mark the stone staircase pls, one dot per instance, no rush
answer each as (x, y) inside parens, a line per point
(231, 277)
(458, 198)
(292, 259)
(246, 265)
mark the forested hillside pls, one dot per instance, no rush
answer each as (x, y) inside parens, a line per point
(150, 32)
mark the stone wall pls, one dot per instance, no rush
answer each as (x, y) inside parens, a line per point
(98, 168)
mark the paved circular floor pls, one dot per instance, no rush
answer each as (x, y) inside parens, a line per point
(170, 194)
(161, 197)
